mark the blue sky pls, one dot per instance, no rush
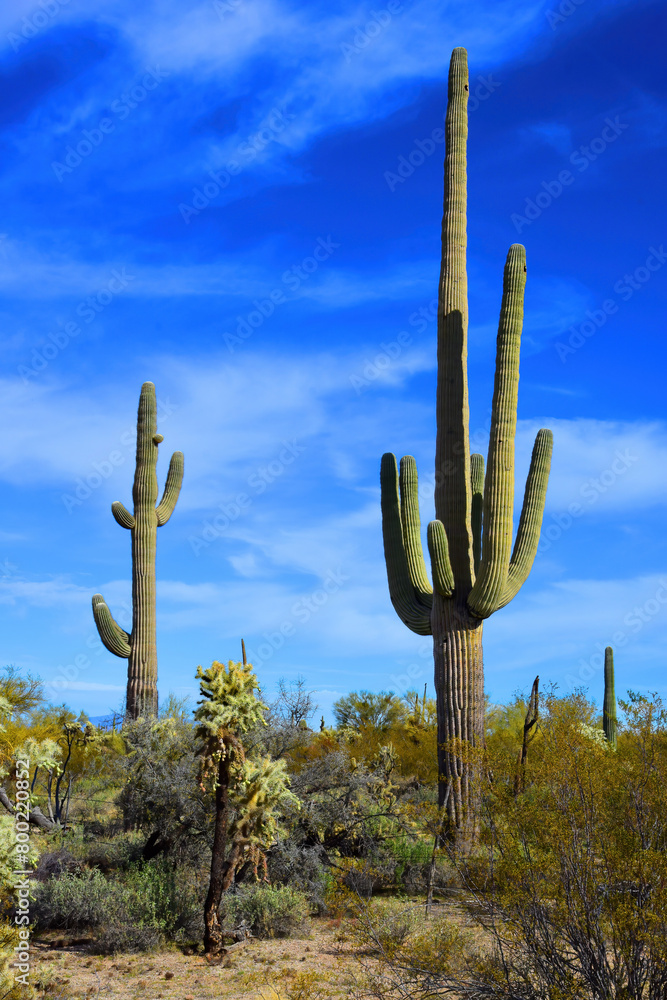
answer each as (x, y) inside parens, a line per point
(240, 200)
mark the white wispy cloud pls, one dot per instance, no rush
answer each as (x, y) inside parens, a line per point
(53, 274)
(606, 465)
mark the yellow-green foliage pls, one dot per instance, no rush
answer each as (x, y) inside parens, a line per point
(228, 709)
(260, 789)
(408, 724)
(228, 699)
(571, 887)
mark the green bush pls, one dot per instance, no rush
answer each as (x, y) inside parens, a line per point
(269, 911)
(159, 895)
(137, 911)
(73, 901)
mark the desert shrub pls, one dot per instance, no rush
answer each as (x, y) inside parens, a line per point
(53, 864)
(301, 868)
(9, 988)
(119, 936)
(269, 911)
(162, 896)
(411, 857)
(137, 911)
(384, 926)
(161, 796)
(73, 901)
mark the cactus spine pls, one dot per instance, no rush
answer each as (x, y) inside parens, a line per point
(475, 570)
(139, 647)
(609, 704)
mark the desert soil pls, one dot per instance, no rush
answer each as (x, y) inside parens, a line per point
(321, 964)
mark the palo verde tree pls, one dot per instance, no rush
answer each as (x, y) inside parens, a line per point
(248, 789)
(474, 568)
(138, 646)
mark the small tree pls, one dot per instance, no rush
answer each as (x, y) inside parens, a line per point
(248, 790)
(365, 708)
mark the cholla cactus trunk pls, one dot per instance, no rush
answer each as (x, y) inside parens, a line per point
(139, 646)
(609, 704)
(475, 570)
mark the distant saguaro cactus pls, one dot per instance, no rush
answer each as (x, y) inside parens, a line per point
(609, 703)
(475, 570)
(139, 645)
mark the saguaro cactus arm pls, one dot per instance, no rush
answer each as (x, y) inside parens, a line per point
(115, 638)
(412, 605)
(172, 488)
(491, 581)
(609, 704)
(532, 512)
(443, 578)
(122, 515)
(411, 525)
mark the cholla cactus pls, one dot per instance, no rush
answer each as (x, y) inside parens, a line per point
(475, 570)
(139, 646)
(248, 791)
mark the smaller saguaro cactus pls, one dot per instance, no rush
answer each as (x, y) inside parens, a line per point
(609, 704)
(138, 646)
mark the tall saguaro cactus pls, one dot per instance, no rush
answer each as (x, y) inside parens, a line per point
(138, 647)
(609, 703)
(475, 570)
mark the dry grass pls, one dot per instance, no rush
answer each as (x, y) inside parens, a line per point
(328, 964)
(321, 964)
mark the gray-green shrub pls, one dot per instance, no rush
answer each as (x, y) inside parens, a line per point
(136, 911)
(269, 911)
